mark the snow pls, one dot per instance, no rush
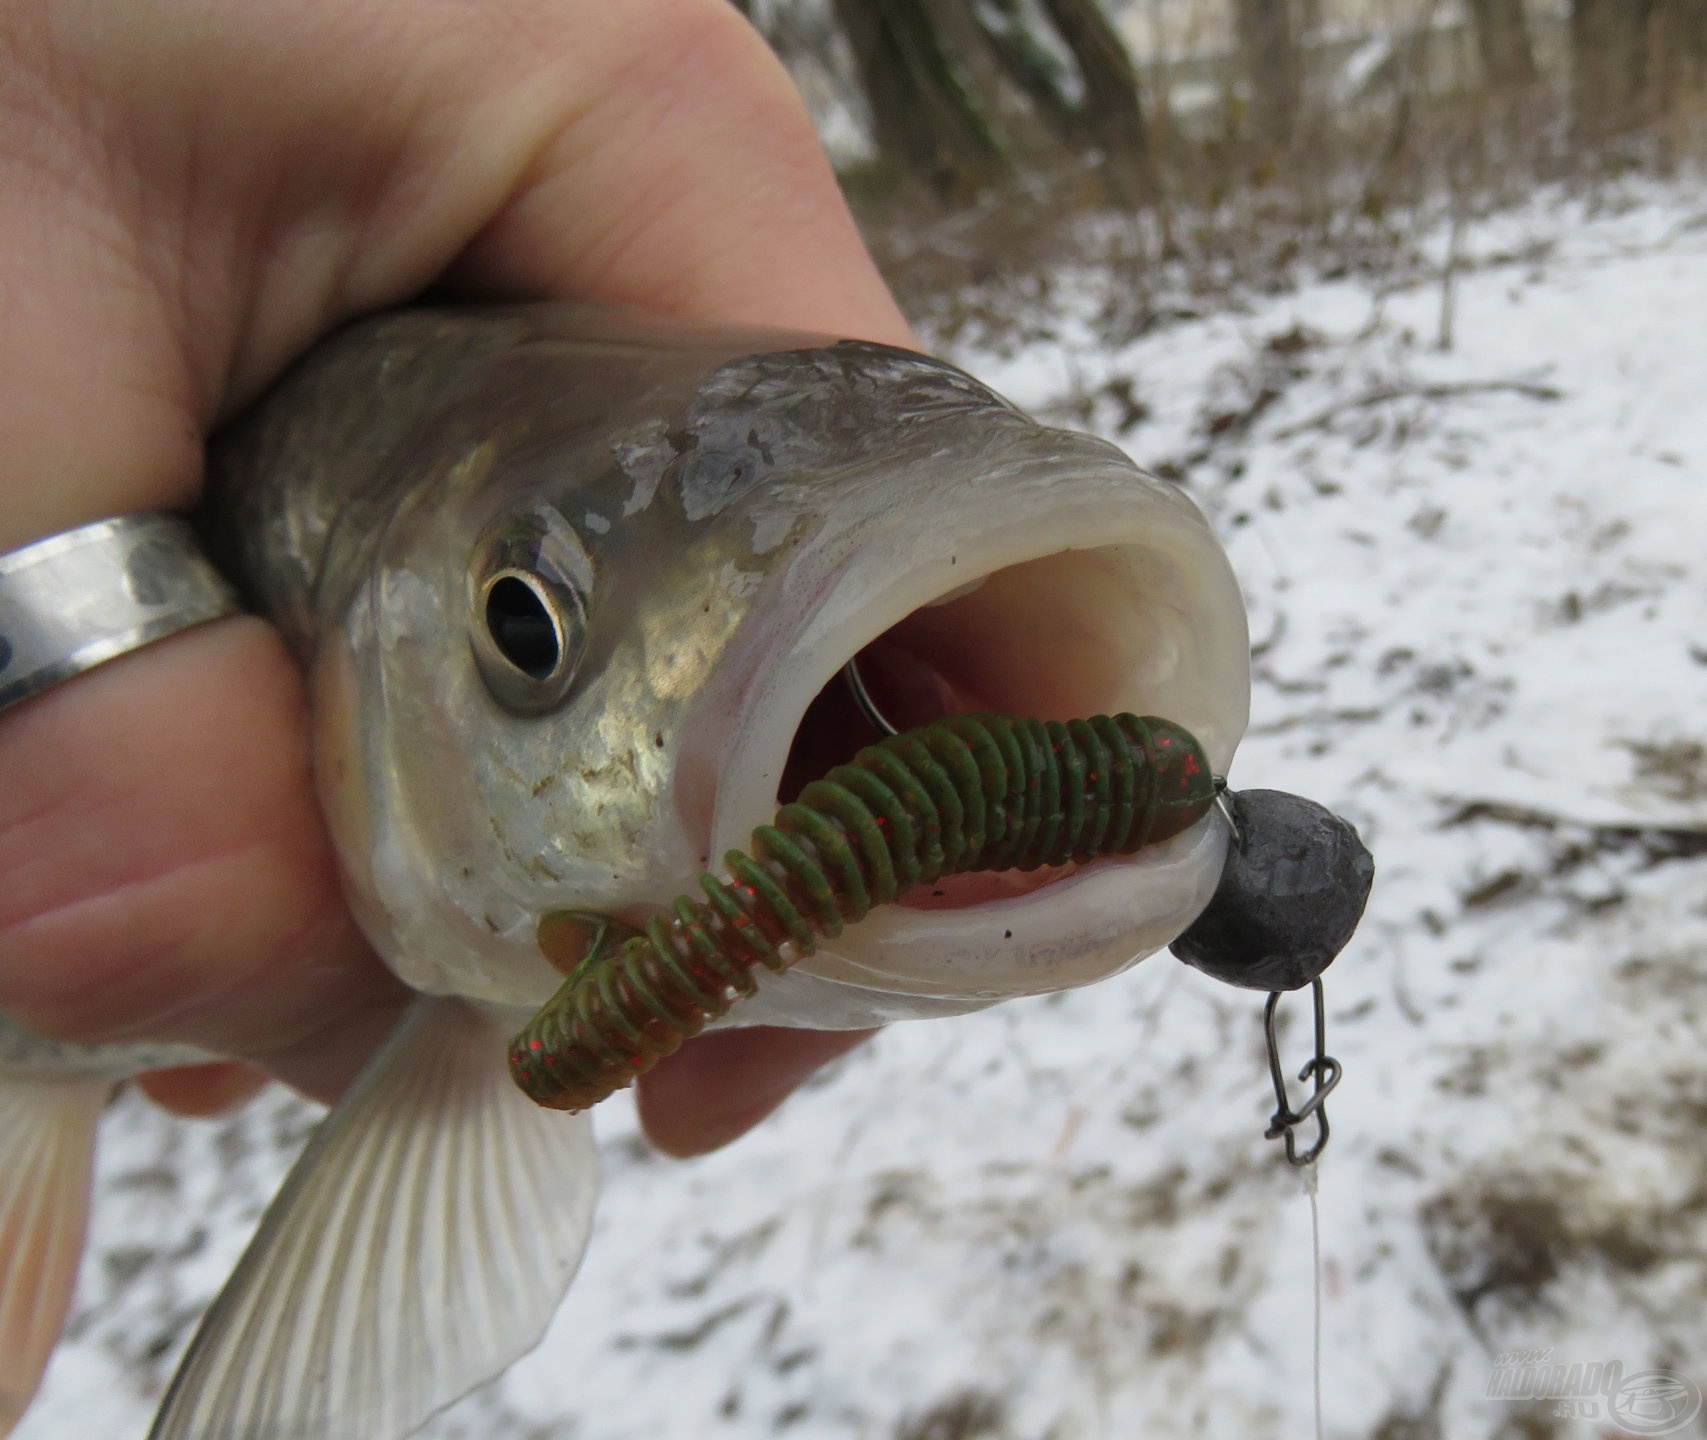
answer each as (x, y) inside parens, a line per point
(1477, 581)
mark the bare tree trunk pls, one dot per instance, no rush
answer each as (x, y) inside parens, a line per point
(958, 89)
(1689, 28)
(1111, 115)
(1686, 27)
(925, 121)
(1269, 55)
(1034, 70)
(1502, 37)
(1680, 44)
(1609, 53)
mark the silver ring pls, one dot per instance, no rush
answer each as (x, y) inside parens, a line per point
(76, 600)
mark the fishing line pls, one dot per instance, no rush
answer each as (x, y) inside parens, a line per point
(1309, 1176)
(1326, 1072)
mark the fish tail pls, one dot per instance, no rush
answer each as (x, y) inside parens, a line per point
(47, 1153)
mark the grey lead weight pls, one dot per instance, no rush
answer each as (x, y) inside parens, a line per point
(1294, 887)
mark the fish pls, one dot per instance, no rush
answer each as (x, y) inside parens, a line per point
(577, 592)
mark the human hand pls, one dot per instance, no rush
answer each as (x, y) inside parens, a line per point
(193, 193)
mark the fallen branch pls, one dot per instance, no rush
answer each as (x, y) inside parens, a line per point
(1387, 394)
(1659, 842)
(1351, 716)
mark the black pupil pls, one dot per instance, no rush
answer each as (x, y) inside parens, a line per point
(521, 628)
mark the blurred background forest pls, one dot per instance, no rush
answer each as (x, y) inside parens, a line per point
(1219, 140)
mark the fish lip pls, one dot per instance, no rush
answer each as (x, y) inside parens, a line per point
(1081, 928)
(1117, 511)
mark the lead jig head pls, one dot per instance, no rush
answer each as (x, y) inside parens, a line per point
(1294, 887)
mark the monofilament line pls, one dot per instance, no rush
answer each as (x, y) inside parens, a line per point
(1308, 1175)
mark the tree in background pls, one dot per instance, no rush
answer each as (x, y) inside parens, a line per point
(962, 92)
(1502, 41)
(1680, 42)
(925, 119)
(1609, 65)
(1110, 115)
(1270, 58)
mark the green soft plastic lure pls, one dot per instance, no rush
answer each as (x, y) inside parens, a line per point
(962, 794)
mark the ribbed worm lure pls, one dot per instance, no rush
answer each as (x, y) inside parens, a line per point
(964, 793)
(1292, 890)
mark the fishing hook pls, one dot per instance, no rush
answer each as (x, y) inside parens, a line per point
(1226, 809)
(1322, 1066)
(862, 698)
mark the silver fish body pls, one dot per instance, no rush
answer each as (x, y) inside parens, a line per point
(575, 590)
(732, 517)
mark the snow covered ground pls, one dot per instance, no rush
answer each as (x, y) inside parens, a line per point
(1478, 584)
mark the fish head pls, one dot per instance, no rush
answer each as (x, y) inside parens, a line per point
(602, 630)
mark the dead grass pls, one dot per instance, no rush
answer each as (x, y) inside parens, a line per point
(1505, 1243)
(1231, 220)
(969, 1415)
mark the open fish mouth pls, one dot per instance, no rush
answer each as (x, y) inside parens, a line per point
(1088, 609)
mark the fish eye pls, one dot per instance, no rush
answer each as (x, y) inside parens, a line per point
(522, 627)
(528, 619)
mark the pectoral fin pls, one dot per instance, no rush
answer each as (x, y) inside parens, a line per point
(47, 1150)
(419, 1246)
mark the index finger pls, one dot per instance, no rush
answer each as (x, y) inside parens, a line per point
(691, 182)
